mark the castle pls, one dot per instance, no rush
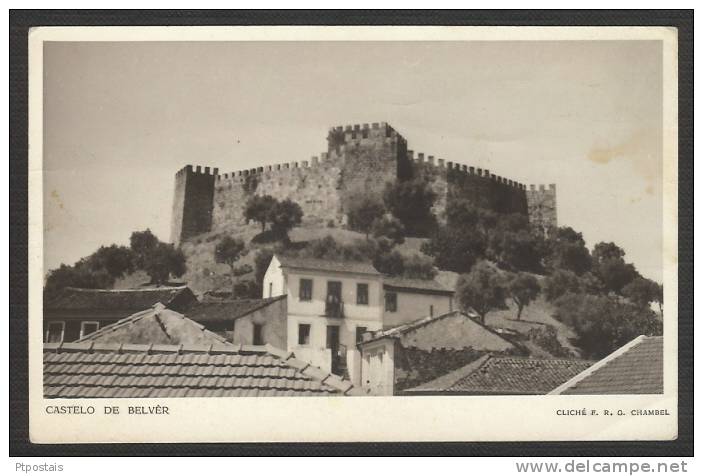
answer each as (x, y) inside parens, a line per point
(359, 160)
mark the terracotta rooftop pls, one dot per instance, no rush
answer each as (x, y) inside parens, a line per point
(635, 368)
(156, 325)
(226, 310)
(96, 370)
(397, 331)
(113, 299)
(415, 285)
(495, 375)
(359, 267)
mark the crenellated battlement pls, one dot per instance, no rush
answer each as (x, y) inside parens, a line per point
(421, 158)
(374, 130)
(197, 170)
(360, 159)
(276, 169)
(543, 188)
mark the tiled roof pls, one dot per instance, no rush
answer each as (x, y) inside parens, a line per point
(635, 368)
(95, 370)
(415, 285)
(226, 310)
(156, 325)
(360, 267)
(494, 375)
(397, 331)
(113, 299)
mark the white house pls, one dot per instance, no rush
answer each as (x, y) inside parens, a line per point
(330, 305)
(408, 299)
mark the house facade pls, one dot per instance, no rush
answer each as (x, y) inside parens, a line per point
(244, 321)
(416, 352)
(407, 299)
(75, 312)
(329, 307)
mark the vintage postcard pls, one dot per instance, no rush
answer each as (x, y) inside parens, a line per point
(349, 234)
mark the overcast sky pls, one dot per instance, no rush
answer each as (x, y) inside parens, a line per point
(121, 118)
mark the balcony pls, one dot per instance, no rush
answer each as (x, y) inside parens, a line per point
(334, 308)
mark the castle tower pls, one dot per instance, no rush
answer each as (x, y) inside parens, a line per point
(370, 156)
(542, 206)
(192, 202)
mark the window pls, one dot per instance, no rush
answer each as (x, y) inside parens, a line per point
(362, 293)
(431, 310)
(270, 289)
(88, 327)
(333, 302)
(54, 331)
(258, 334)
(360, 333)
(303, 334)
(391, 302)
(305, 289)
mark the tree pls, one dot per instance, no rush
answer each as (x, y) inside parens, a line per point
(604, 323)
(164, 261)
(604, 251)
(78, 276)
(560, 282)
(229, 251)
(523, 289)
(142, 243)
(455, 249)
(516, 250)
(610, 266)
(642, 292)
(391, 263)
(115, 260)
(481, 290)
(259, 208)
(284, 216)
(363, 212)
(410, 201)
(418, 267)
(389, 228)
(461, 213)
(567, 250)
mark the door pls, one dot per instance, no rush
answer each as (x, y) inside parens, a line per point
(335, 349)
(333, 302)
(372, 377)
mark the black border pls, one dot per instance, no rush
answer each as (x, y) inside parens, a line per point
(22, 20)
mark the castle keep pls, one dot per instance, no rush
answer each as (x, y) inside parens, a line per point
(359, 160)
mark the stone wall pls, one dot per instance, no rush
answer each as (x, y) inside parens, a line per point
(542, 206)
(314, 185)
(360, 161)
(452, 181)
(372, 156)
(192, 202)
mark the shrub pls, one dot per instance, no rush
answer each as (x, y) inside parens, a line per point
(546, 338)
(604, 323)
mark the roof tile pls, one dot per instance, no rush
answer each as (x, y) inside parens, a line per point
(635, 368)
(493, 375)
(76, 372)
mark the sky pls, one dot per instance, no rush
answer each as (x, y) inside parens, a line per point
(120, 118)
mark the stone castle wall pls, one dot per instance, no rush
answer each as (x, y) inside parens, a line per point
(192, 202)
(542, 205)
(314, 185)
(360, 161)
